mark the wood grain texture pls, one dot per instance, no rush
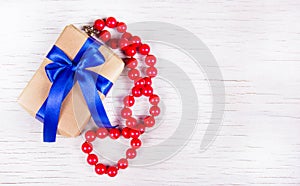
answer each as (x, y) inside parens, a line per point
(257, 47)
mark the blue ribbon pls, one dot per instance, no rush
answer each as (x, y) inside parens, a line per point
(64, 73)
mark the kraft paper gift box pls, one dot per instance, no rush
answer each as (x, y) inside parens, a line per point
(74, 114)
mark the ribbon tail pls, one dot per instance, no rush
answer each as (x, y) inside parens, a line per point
(59, 89)
(87, 82)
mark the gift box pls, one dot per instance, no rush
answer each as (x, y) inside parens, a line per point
(74, 112)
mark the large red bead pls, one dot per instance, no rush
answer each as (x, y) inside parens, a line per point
(87, 147)
(150, 60)
(149, 121)
(90, 136)
(141, 128)
(139, 82)
(148, 81)
(113, 43)
(135, 41)
(131, 153)
(114, 133)
(151, 71)
(130, 51)
(136, 91)
(144, 49)
(134, 133)
(133, 74)
(111, 22)
(126, 112)
(99, 24)
(105, 35)
(126, 35)
(131, 62)
(154, 110)
(126, 132)
(121, 27)
(102, 133)
(123, 43)
(135, 143)
(128, 101)
(154, 99)
(92, 159)
(131, 122)
(100, 169)
(123, 163)
(147, 90)
(112, 171)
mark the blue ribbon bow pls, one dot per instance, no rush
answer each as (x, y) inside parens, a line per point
(64, 73)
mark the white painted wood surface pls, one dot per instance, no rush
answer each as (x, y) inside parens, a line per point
(257, 46)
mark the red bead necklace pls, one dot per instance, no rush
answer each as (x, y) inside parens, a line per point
(130, 46)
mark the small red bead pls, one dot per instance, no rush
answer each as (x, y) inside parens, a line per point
(126, 35)
(111, 22)
(123, 43)
(149, 121)
(133, 74)
(141, 128)
(100, 169)
(144, 49)
(102, 133)
(148, 81)
(154, 110)
(131, 62)
(113, 43)
(92, 159)
(139, 82)
(135, 41)
(134, 133)
(154, 99)
(123, 163)
(90, 136)
(128, 101)
(130, 51)
(121, 27)
(87, 147)
(147, 90)
(114, 133)
(112, 171)
(99, 24)
(135, 143)
(131, 153)
(150, 60)
(126, 132)
(151, 71)
(105, 36)
(126, 112)
(136, 91)
(131, 122)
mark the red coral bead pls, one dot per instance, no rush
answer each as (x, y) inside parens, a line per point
(113, 43)
(114, 133)
(102, 133)
(134, 133)
(100, 169)
(154, 99)
(87, 147)
(126, 132)
(135, 41)
(123, 43)
(149, 121)
(131, 122)
(90, 136)
(139, 82)
(131, 153)
(92, 159)
(147, 90)
(151, 71)
(136, 91)
(121, 27)
(141, 128)
(126, 112)
(99, 24)
(126, 35)
(112, 171)
(130, 51)
(135, 143)
(144, 49)
(105, 35)
(128, 101)
(131, 62)
(133, 74)
(154, 110)
(148, 81)
(123, 163)
(111, 22)
(150, 60)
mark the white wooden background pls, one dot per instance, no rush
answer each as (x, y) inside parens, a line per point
(257, 46)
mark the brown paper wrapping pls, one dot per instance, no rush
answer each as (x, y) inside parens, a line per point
(74, 113)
